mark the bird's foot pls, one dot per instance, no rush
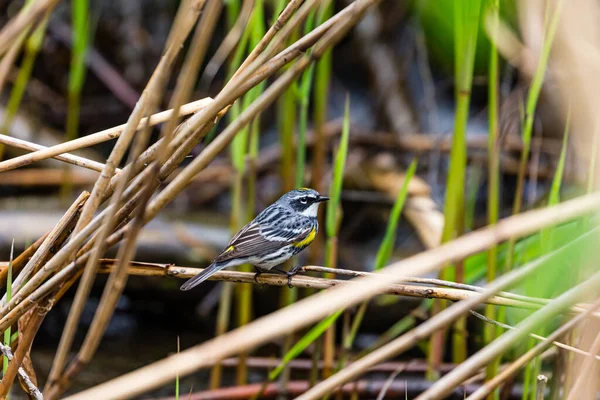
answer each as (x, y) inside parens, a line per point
(257, 274)
(293, 271)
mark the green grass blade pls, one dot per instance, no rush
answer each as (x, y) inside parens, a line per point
(80, 20)
(177, 376)
(493, 196)
(304, 101)
(387, 244)
(466, 27)
(338, 174)
(554, 197)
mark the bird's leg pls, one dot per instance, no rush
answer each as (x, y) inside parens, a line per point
(257, 274)
(293, 271)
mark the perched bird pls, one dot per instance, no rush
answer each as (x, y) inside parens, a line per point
(278, 233)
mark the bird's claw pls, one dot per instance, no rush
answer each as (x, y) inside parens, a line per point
(293, 271)
(256, 275)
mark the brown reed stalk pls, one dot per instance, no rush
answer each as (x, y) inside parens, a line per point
(452, 294)
(51, 241)
(7, 62)
(117, 280)
(184, 21)
(16, 26)
(68, 158)
(240, 88)
(25, 340)
(40, 152)
(227, 45)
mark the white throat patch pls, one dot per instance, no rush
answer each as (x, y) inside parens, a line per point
(311, 211)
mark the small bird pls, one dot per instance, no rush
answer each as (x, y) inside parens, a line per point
(278, 233)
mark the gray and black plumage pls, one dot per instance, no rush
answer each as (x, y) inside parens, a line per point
(278, 233)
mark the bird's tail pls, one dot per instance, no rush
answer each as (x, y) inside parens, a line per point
(202, 276)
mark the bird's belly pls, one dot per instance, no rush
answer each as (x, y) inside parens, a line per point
(274, 259)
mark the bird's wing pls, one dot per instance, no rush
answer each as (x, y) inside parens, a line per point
(253, 239)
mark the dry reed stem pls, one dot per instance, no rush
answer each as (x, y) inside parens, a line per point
(508, 339)
(17, 25)
(306, 364)
(281, 20)
(157, 269)
(185, 140)
(440, 282)
(239, 85)
(68, 158)
(37, 289)
(314, 308)
(25, 341)
(489, 386)
(30, 387)
(227, 45)
(433, 324)
(264, 100)
(184, 21)
(49, 244)
(7, 62)
(42, 152)
(118, 278)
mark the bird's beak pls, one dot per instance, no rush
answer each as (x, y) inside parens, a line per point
(322, 198)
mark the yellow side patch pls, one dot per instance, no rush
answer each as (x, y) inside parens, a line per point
(227, 250)
(307, 240)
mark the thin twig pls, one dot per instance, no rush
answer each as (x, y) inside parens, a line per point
(441, 282)
(389, 381)
(302, 281)
(68, 158)
(25, 341)
(227, 45)
(31, 388)
(538, 337)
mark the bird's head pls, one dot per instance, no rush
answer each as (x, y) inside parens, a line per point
(305, 201)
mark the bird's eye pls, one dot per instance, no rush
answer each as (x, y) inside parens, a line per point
(303, 201)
